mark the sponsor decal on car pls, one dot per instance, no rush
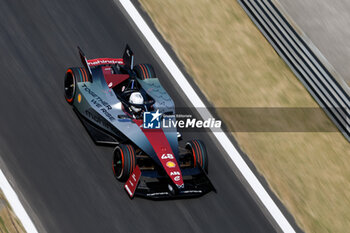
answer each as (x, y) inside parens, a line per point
(170, 164)
(99, 102)
(157, 194)
(192, 191)
(175, 173)
(167, 156)
(131, 183)
(104, 61)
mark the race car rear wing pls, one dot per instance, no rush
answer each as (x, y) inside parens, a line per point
(128, 57)
(127, 60)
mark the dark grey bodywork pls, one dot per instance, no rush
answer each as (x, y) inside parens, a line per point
(100, 105)
(101, 100)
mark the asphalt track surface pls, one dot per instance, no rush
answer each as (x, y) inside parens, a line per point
(64, 179)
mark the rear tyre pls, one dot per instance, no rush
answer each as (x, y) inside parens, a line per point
(72, 77)
(199, 154)
(124, 161)
(144, 71)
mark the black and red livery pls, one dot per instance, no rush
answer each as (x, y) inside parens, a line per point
(149, 161)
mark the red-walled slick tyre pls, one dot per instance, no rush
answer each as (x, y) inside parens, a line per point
(199, 153)
(144, 71)
(124, 161)
(72, 77)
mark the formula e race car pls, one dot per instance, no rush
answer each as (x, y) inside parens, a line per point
(124, 105)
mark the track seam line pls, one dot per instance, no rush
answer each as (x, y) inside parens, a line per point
(222, 138)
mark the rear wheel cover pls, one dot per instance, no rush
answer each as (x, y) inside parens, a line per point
(145, 71)
(69, 86)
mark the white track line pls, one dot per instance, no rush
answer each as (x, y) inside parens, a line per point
(198, 103)
(16, 205)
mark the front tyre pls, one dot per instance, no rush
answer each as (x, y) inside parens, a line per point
(124, 161)
(199, 154)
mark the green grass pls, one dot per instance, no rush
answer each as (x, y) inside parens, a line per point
(8, 220)
(3, 226)
(222, 50)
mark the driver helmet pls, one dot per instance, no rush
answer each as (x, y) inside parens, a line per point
(136, 98)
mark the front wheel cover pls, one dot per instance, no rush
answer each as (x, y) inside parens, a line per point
(118, 163)
(199, 153)
(124, 162)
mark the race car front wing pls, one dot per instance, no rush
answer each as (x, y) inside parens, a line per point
(150, 185)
